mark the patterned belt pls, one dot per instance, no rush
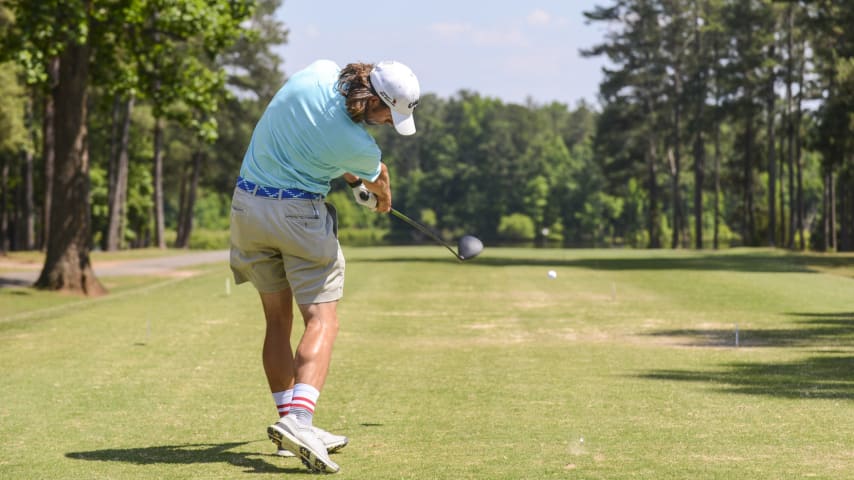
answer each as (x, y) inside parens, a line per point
(278, 193)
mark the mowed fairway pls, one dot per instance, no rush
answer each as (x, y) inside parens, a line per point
(624, 366)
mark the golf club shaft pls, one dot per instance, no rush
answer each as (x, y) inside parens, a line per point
(424, 230)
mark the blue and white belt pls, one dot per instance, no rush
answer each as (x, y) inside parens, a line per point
(272, 192)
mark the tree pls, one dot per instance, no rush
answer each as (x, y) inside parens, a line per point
(13, 140)
(80, 33)
(41, 31)
(637, 87)
(172, 45)
(253, 76)
(118, 172)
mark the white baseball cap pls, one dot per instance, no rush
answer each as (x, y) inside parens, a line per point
(397, 86)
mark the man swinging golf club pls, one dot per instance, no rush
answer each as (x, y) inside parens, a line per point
(284, 236)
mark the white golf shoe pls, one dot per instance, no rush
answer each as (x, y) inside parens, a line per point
(332, 442)
(288, 434)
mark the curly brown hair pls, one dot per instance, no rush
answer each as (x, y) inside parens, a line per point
(354, 83)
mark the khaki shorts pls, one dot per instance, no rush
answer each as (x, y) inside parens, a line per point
(276, 244)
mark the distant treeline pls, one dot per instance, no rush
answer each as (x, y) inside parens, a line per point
(721, 123)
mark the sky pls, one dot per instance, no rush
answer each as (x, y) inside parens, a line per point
(510, 50)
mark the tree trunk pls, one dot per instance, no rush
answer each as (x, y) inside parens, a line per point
(699, 125)
(799, 162)
(117, 196)
(781, 184)
(676, 163)
(832, 197)
(790, 125)
(749, 227)
(112, 169)
(49, 147)
(67, 266)
(652, 225)
(28, 220)
(159, 222)
(772, 161)
(29, 213)
(846, 210)
(4, 204)
(182, 202)
(699, 177)
(186, 228)
(717, 141)
(825, 220)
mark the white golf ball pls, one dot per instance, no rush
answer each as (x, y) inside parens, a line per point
(552, 274)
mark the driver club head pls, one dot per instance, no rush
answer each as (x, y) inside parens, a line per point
(469, 247)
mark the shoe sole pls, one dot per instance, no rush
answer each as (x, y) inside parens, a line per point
(330, 448)
(284, 453)
(334, 447)
(311, 460)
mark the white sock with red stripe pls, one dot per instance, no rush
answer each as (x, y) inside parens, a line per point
(283, 401)
(303, 402)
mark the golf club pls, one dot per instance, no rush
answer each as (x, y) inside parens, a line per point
(468, 247)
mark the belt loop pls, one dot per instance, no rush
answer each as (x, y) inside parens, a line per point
(279, 194)
(255, 188)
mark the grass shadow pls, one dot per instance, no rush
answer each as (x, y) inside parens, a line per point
(10, 282)
(819, 377)
(187, 454)
(809, 330)
(827, 375)
(740, 262)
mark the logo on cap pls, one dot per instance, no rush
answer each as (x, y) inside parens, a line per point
(388, 99)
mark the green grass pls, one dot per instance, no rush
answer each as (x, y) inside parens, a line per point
(486, 370)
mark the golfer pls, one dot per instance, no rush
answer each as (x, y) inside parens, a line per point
(284, 236)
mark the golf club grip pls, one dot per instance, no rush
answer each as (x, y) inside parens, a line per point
(424, 230)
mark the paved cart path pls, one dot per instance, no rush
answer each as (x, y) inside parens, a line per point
(116, 268)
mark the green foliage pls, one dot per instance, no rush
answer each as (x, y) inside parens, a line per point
(428, 217)
(98, 202)
(139, 203)
(210, 239)
(598, 215)
(516, 227)
(13, 131)
(351, 214)
(211, 211)
(362, 237)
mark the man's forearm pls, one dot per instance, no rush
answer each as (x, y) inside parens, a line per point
(381, 187)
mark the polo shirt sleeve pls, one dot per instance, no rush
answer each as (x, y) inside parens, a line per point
(365, 162)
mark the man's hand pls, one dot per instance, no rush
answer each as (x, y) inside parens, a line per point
(363, 196)
(379, 189)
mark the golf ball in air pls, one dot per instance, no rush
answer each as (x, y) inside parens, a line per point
(552, 274)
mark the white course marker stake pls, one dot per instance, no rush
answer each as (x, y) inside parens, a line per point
(736, 334)
(227, 286)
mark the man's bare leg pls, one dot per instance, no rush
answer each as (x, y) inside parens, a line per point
(314, 352)
(277, 354)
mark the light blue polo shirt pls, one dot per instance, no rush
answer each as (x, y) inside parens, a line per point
(305, 138)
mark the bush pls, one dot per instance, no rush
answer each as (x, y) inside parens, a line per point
(516, 227)
(362, 237)
(210, 239)
(203, 238)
